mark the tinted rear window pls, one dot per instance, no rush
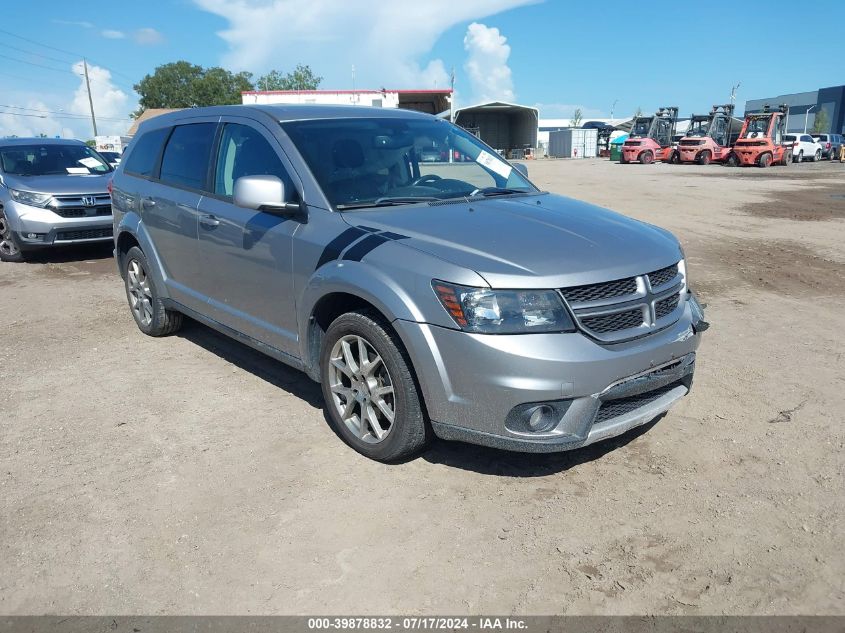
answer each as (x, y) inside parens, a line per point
(142, 158)
(185, 160)
(789, 137)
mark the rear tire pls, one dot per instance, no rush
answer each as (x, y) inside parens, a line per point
(817, 156)
(787, 159)
(704, 158)
(675, 158)
(799, 158)
(10, 250)
(647, 157)
(147, 308)
(732, 160)
(388, 388)
(765, 160)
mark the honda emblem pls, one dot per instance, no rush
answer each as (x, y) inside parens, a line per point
(88, 201)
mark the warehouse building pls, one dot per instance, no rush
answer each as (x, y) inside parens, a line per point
(805, 106)
(507, 127)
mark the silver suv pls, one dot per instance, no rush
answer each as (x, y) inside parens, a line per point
(447, 297)
(53, 192)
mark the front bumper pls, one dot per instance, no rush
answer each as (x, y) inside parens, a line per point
(52, 229)
(473, 383)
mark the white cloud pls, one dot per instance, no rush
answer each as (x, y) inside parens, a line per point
(388, 41)
(112, 34)
(84, 25)
(37, 113)
(487, 64)
(148, 36)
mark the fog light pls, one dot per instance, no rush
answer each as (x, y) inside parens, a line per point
(542, 418)
(32, 236)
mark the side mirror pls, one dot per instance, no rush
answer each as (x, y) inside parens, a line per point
(522, 168)
(264, 193)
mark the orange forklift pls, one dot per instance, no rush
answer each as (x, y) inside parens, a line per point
(710, 137)
(760, 141)
(652, 138)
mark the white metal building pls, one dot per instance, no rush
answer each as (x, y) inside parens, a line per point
(573, 143)
(430, 101)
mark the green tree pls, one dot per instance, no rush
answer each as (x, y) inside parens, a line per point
(575, 121)
(302, 78)
(185, 85)
(821, 123)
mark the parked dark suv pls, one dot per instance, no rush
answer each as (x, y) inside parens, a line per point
(426, 296)
(830, 145)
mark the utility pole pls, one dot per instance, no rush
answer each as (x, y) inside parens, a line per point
(612, 108)
(733, 91)
(452, 97)
(90, 100)
(806, 115)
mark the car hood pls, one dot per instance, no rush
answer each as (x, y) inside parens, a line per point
(543, 241)
(60, 184)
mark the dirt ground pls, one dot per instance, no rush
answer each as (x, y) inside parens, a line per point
(192, 475)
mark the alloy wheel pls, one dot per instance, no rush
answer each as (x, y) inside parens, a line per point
(7, 244)
(362, 389)
(140, 294)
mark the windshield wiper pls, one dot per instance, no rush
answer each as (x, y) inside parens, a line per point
(495, 191)
(388, 201)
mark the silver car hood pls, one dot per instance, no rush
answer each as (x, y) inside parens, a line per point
(544, 241)
(60, 184)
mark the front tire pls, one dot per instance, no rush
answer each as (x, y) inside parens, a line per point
(370, 391)
(147, 308)
(765, 160)
(732, 160)
(10, 251)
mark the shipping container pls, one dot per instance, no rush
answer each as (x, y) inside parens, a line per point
(573, 143)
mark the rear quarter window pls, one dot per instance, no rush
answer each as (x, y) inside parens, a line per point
(143, 156)
(186, 156)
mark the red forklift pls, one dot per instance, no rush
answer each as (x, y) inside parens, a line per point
(760, 141)
(710, 137)
(652, 138)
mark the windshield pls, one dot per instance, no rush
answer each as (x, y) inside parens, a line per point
(51, 159)
(381, 161)
(757, 126)
(641, 127)
(698, 128)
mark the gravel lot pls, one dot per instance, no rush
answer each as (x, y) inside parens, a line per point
(192, 475)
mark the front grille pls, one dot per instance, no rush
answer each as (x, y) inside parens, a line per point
(84, 234)
(622, 406)
(663, 276)
(618, 310)
(614, 322)
(594, 292)
(82, 212)
(665, 306)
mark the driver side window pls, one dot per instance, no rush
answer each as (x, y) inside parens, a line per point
(244, 151)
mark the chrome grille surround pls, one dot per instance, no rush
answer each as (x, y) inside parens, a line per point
(78, 205)
(650, 302)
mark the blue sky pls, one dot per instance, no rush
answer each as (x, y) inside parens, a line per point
(549, 53)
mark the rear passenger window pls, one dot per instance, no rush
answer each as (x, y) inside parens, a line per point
(185, 160)
(143, 157)
(245, 152)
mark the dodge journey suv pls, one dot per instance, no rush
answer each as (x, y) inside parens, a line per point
(52, 192)
(421, 279)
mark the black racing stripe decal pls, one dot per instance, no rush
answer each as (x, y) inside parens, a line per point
(334, 248)
(369, 229)
(394, 236)
(357, 252)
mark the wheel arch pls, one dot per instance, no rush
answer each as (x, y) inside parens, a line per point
(131, 232)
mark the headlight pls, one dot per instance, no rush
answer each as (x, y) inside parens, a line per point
(487, 311)
(30, 198)
(682, 268)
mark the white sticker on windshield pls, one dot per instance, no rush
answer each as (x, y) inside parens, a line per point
(77, 170)
(492, 163)
(89, 161)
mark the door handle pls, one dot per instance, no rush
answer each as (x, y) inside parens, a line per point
(209, 221)
(147, 203)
